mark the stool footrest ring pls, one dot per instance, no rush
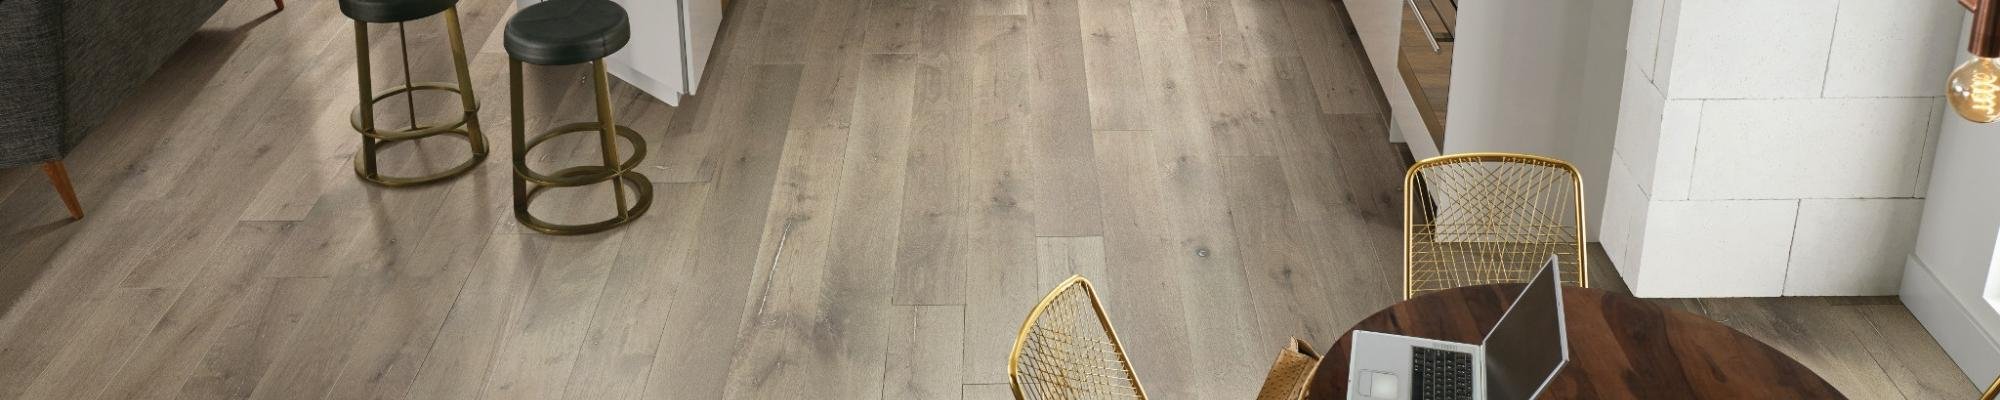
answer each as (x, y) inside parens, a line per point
(630, 164)
(478, 155)
(638, 182)
(354, 117)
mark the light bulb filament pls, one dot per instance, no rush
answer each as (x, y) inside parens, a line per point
(1985, 92)
(1974, 90)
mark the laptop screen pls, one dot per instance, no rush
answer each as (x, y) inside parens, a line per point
(1530, 343)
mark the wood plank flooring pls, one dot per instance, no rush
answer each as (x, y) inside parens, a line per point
(863, 202)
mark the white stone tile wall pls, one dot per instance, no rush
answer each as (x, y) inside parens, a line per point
(1938, 113)
(1641, 37)
(1789, 152)
(1841, 244)
(1639, 111)
(1724, 248)
(1624, 218)
(1663, 52)
(1878, 48)
(1673, 162)
(1810, 148)
(1734, 49)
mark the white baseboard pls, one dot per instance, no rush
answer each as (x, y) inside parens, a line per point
(1951, 321)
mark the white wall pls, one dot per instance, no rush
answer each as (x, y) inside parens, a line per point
(1774, 148)
(1540, 77)
(1949, 279)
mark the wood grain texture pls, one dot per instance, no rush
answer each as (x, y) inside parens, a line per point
(216, 304)
(108, 336)
(1672, 354)
(1067, 200)
(986, 392)
(1118, 97)
(1137, 247)
(931, 249)
(792, 272)
(1907, 354)
(863, 201)
(1000, 264)
(714, 291)
(260, 331)
(1274, 252)
(1064, 256)
(928, 339)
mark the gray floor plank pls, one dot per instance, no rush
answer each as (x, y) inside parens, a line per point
(707, 317)
(927, 342)
(260, 330)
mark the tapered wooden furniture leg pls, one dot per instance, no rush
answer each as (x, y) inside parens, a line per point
(281, 4)
(60, 178)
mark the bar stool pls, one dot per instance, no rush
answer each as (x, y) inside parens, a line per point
(466, 127)
(565, 32)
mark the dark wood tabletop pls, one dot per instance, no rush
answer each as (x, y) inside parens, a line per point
(1620, 347)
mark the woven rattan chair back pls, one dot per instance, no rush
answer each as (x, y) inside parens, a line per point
(1290, 372)
(1067, 350)
(1485, 218)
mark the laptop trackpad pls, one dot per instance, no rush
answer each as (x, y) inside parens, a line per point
(1380, 385)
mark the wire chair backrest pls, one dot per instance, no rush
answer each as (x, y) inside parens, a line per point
(1484, 218)
(1067, 350)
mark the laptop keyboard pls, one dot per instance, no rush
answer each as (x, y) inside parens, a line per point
(1440, 374)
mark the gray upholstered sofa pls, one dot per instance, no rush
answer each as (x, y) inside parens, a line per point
(65, 63)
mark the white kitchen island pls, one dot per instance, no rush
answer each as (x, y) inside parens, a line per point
(671, 40)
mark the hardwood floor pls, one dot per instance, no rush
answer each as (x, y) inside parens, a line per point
(863, 202)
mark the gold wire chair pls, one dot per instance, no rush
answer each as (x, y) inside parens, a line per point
(1484, 218)
(1067, 350)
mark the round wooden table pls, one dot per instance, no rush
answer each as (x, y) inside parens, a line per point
(1620, 347)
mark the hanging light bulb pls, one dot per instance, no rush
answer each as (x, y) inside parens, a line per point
(1974, 87)
(1974, 90)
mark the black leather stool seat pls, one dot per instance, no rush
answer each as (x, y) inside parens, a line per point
(389, 11)
(563, 32)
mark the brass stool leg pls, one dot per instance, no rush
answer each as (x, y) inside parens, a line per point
(465, 97)
(607, 129)
(410, 97)
(520, 137)
(367, 109)
(528, 183)
(465, 127)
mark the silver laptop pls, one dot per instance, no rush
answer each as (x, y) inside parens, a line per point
(1517, 360)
